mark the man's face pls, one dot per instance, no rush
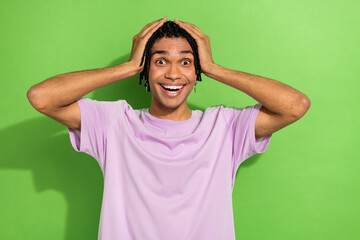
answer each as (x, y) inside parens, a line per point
(174, 66)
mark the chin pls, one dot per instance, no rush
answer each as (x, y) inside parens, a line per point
(172, 103)
(169, 102)
(168, 99)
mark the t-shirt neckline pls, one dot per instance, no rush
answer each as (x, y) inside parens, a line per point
(169, 122)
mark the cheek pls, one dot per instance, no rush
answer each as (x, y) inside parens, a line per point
(155, 71)
(190, 74)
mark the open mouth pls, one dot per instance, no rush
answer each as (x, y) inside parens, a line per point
(172, 88)
(172, 91)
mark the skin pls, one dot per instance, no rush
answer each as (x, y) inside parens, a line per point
(171, 68)
(57, 96)
(281, 104)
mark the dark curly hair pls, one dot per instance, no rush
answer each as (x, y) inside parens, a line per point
(168, 30)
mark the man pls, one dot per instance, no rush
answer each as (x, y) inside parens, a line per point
(168, 170)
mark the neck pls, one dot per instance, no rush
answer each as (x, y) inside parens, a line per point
(181, 113)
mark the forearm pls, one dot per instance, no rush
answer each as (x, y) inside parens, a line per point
(277, 97)
(64, 89)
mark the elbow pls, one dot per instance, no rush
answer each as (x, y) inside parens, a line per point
(302, 107)
(34, 98)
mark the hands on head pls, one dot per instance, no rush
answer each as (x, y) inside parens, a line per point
(140, 40)
(203, 43)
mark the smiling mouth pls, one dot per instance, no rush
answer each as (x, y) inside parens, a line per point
(172, 88)
(172, 91)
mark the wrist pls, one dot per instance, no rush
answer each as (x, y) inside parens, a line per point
(209, 69)
(124, 70)
(134, 67)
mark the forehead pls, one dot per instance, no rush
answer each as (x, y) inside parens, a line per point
(171, 46)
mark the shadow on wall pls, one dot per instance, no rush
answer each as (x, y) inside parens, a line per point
(42, 145)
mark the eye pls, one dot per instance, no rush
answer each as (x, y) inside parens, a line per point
(159, 60)
(187, 61)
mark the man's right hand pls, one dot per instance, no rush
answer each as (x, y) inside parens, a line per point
(140, 40)
(57, 96)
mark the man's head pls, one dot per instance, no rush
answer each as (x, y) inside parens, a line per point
(168, 30)
(171, 58)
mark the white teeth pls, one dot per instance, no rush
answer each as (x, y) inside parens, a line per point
(173, 87)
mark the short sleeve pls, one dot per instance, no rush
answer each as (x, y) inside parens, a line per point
(242, 125)
(92, 137)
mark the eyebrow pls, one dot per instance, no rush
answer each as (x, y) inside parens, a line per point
(167, 53)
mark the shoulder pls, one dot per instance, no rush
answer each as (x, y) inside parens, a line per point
(102, 108)
(231, 112)
(102, 104)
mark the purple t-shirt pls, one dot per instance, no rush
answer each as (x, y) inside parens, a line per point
(165, 179)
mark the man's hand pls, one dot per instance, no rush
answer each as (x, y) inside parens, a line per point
(140, 40)
(203, 43)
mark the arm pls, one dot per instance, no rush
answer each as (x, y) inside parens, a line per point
(282, 104)
(57, 96)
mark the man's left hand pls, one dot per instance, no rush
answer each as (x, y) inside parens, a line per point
(203, 43)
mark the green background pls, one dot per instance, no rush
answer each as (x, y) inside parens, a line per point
(306, 184)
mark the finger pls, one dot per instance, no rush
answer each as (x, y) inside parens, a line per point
(193, 31)
(189, 26)
(149, 25)
(185, 23)
(154, 25)
(195, 28)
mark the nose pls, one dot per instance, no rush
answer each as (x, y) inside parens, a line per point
(173, 73)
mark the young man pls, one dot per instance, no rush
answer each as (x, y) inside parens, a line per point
(168, 170)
